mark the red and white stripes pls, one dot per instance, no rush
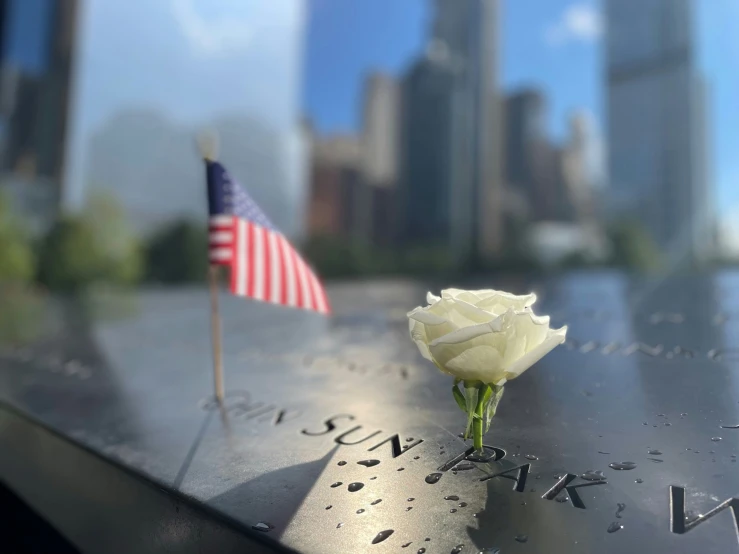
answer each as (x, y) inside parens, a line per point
(264, 265)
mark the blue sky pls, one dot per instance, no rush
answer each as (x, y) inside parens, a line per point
(553, 44)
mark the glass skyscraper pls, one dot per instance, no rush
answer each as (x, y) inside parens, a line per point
(656, 125)
(36, 55)
(450, 138)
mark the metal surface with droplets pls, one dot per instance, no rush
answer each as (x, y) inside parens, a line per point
(305, 394)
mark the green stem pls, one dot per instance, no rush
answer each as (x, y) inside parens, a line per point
(477, 422)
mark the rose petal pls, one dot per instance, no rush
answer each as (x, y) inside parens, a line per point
(524, 331)
(418, 334)
(422, 315)
(553, 338)
(431, 298)
(507, 300)
(468, 333)
(478, 363)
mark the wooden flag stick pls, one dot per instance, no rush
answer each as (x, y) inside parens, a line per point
(215, 329)
(208, 144)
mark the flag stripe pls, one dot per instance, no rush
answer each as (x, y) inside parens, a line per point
(242, 256)
(316, 288)
(275, 269)
(250, 263)
(267, 257)
(292, 297)
(220, 237)
(258, 259)
(308, 300)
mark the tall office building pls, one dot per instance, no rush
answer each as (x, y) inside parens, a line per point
(450, 133)
(36, 62)
(430, 156)
(380, 130)
(656, 121)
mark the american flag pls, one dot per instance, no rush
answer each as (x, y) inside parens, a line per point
(264, 265)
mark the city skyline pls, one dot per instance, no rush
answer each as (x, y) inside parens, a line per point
(562, 52)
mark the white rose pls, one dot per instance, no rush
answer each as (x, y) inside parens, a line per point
(483, 335)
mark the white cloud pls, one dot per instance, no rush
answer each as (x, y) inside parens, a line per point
(236, 27)
(578, 23)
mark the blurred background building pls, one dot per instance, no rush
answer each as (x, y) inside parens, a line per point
(434, 136)
(37, 45)
(657, 125)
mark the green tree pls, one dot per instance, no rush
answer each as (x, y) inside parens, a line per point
(95, 246)
(17, 262)
(632, 247)
(178, 253)
(120, 255)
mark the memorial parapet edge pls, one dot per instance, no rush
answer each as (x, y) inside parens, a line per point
(335, 437)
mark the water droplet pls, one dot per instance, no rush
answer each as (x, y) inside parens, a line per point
(668, 424)
(530, 457)
(620, 507)
(691, 516)
(522, 538)
(427, 539)
(537, 477)
(711, 451)
(410, 499)
(660, 415)
(615, 526)
(409, 508)
(654, 426)
(354, 487)
(421, 550)
(451, 497)
(490, 550)
(433, 478)
(477, 514)
(373, 478)
(341, 463)
(368, 463)
(532, 489)
(645, 423)
(639, 480)
(601, 452)
(263, 527)
(654, 452)
(329, 507)
(401, 468)
(337, 484)
(375, 502)
(416, 457)
(340, 525)
(562, 499)
(409, 439)
(360, 511)
(622, 466)
(453, 510)
(382, 535)
(406, 545)
(715, 439)
(464, 466)
(656, 460)
(683, 414)
(457, 549)
(593, 475)
(441, 447)
(462, 504)
(697, 451)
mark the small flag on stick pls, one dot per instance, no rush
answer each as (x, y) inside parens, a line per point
(262, 262)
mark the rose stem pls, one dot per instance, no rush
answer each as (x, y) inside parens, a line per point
(477, 420)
